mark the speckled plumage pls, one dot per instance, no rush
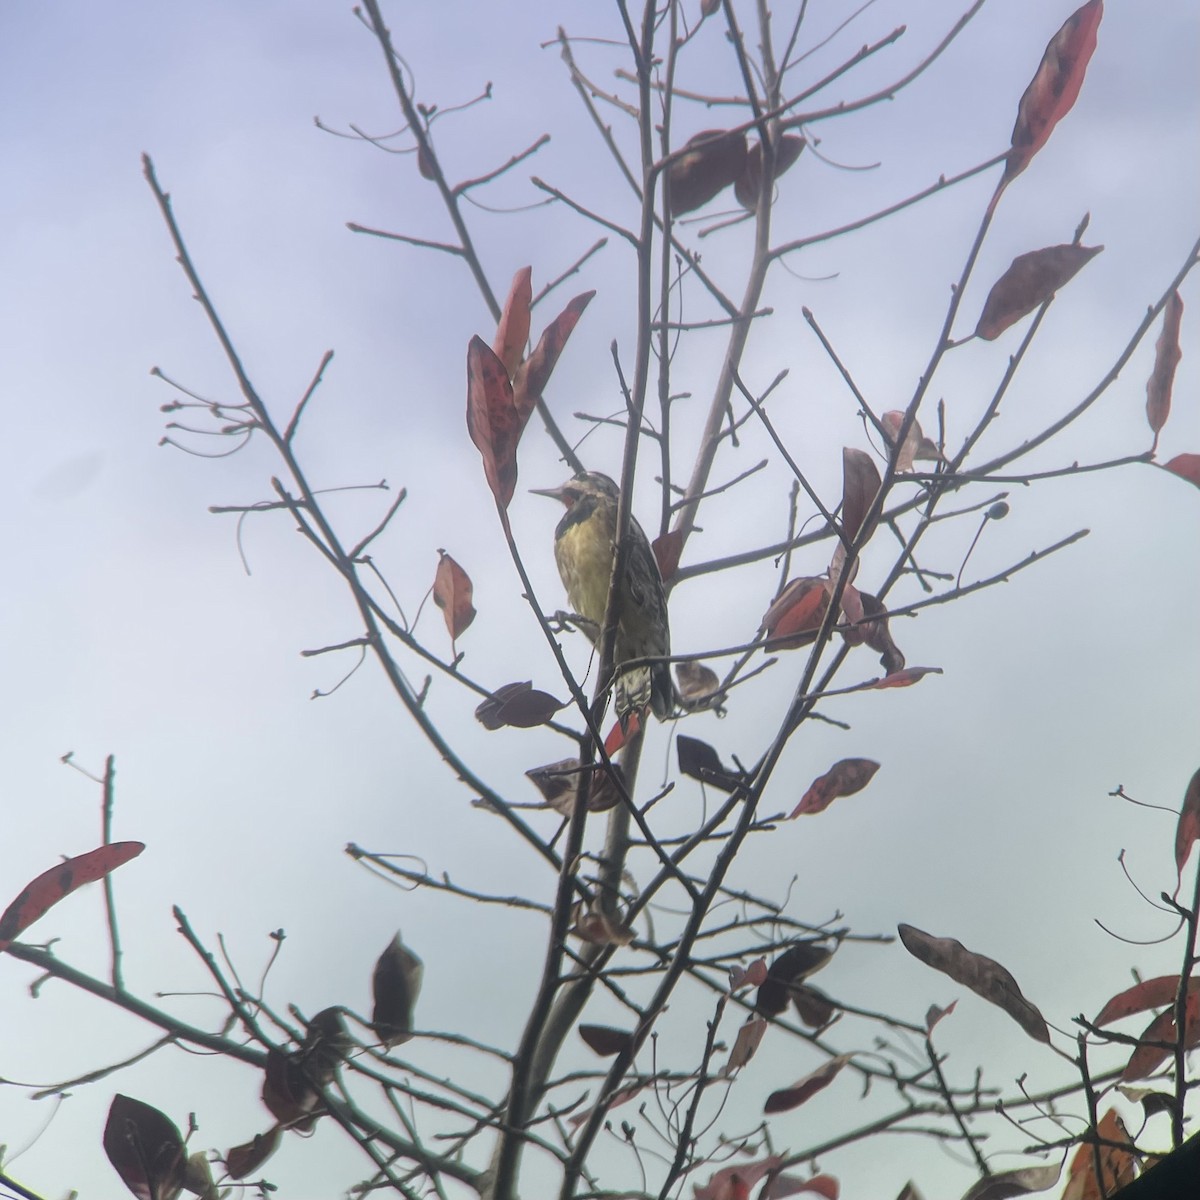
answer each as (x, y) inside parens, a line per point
(583, 550)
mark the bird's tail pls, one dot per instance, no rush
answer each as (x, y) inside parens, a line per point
(640, 688)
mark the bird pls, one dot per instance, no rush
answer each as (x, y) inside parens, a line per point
(584, 544)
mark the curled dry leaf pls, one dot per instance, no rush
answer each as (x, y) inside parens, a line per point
(710, 162)
(245, 1159)
(788, 1185)
(42, 893)
(1147, 1058)
(1054, 87)
(916, 444)
(936, 1014)
(697, 683)
(453, 593)
(559, 782)
(873, 630)
(667, 548)
(1117, 1166)
(905, 678)
(1187, 831)
(597, 927)
(860, 486)
(326, 1045)
(517, 704)
(700, 761)
(512, 333)
(1029, 282)
(290, 1097)
(804, 1089)
(396, 983)
(796, 963)
(753, 976)
(197, 1176)
(983, 975)
(749, 183)
(796, 613)
(1186, 466)
(1007, 1184)
(813, 1007)
(734, 1183)
(145, 1149)
(844, 778)
(745, 1044)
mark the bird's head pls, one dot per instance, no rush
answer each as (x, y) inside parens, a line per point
(586, 485)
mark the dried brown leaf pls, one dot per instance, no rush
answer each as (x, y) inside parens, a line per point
(749, 183)
(512, 333)
(795, 964)
(1186, 466)
(245, 1159)
(696, 682)
(804, 1089)
(453, 593)
(1007, 1184)
(796, 614)
(492, 419)
(1030, 281)
(396, 983)
(699, 760)
(1117, 1167)
(145, 1149)
(531, 377)
(517, 704)
(745, 1044)
(711, 161)
(667, 548)
(844, 778)
(1187, 831)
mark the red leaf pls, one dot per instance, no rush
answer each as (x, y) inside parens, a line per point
(1186, 832)
(860, 483)
(245, 1159)
(513, 331)
(492, 419)
(788, 1185)
(1054, 87)
(984, 976)
(753, 976)
(844, 778)
(734, 1183)
(1146, 1059)
(710, 162)
(452, 593)
(796, 613)
(51, 886)
(667, 548)
(1029, 282)
(1186, 466)
(1150, 993)
(1117, 1167)
(905, 678)
(804, 1089)
(1166, 358)
(745, 1044)
(396, 983)
(517, 704)
(531, 377)
(935, 1014)
(145, 1149)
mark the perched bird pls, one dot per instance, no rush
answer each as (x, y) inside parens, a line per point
(583, 548)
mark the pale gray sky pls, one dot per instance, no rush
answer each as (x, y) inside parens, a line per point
(127, 624)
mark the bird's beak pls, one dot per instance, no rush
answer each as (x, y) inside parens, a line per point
(552, 493)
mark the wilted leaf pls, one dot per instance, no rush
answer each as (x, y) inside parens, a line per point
(606, 1041)
(513, 331)
(1117, 1167)
(860, 484)
(245, 1159)
(289, 1096)
(396, 984)
(844, 778)
(1186, 466)
(1054, 87)
(1152, 1102)
(197, 1176)
(796, 614)
(710, 161)
(984, 976)
(696, 682)
(700, 761)
(734, 1183)
(1029, 282)
(558, 782)
(935, 1014)
(876, 634)
(904, 678)
(796, 963)
(531, 377)
(667, 548)
(492, 419)
(517, 704)
(595, 926)
(452, 593)
(326, 1045)
(1186, 832)
(804, 1089)
(749, 183)
(754, 975)
(1142, 997)
(789, 1185)
(620, 1096)
(745, 1044)
(145, 1149)
(1007, 1184)
(891, 422)
(42, 893)
(1146, 1059)
(813, 1007)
